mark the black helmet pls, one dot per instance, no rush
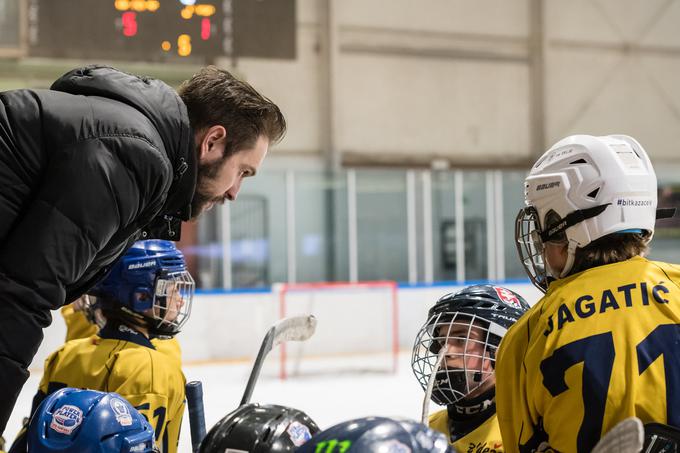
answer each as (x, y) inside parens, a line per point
(378, 434)
(472, 321)
(260, 429)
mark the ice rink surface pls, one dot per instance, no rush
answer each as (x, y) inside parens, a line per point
(328, 398)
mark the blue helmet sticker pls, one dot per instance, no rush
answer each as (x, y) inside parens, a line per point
(298, 433)
(121, 411)
(66, 419)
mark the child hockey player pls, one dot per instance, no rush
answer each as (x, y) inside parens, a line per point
(148, 293)
(585, 356)
(469, 324)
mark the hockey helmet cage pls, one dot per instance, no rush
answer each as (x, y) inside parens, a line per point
(149, 285)
(471, 324)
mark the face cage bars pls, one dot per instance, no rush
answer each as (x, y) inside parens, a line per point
(424, 359)
(181, 285)
(530, 246)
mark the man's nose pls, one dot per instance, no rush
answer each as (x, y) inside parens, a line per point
(233, 191)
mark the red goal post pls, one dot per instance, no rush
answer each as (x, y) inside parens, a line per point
(371, 309)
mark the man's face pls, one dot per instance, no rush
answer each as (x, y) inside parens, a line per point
(220, 179)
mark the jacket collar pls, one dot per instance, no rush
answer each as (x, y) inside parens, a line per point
(185, 171)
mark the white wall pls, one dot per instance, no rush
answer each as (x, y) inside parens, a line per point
(611, 67)
(231, 326)
(479, 83)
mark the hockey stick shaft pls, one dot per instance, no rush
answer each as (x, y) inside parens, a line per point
(194, 393)
(430, 386)
(296, 328)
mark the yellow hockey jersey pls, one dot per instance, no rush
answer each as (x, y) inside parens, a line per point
(78, 326)
(485, 438)
(600, 346)
(119, 359)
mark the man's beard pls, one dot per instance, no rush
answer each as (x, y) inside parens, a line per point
(206, 173)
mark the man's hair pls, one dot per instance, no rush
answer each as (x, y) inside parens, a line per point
(215, 97)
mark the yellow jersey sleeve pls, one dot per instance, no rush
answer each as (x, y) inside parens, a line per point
(598, 348)
(77, 325)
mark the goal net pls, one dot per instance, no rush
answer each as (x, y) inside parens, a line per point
(357, 328)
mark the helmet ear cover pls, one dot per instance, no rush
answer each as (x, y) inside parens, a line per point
(142, 299)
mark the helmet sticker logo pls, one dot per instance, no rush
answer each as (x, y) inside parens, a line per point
(634, 203)
(66, 419)
(123, 416)
(298, 433)
(508, 297)
(328, 446)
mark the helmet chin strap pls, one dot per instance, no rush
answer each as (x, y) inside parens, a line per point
(571, 254)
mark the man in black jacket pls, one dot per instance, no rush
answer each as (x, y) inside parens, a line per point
(99, 160)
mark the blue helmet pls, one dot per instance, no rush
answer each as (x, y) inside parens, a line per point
(378, 434)
(87, 421)
(148, 286)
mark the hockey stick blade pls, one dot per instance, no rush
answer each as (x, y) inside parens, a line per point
(430, 386)
(295, 328)
(627, 436)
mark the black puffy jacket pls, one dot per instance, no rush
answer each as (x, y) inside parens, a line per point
(86, 168)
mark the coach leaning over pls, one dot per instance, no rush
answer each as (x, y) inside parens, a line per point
(102, 159)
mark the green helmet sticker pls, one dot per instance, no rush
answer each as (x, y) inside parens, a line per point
(329, 446)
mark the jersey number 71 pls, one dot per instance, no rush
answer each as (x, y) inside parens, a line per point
(597, 354)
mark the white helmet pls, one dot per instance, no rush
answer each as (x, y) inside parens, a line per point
(595, 186)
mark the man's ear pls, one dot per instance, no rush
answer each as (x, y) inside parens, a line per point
(211, 146)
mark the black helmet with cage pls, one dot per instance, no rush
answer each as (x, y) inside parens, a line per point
(473, 320)
(259, 428)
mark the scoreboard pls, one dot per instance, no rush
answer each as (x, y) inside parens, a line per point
(161, 30)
